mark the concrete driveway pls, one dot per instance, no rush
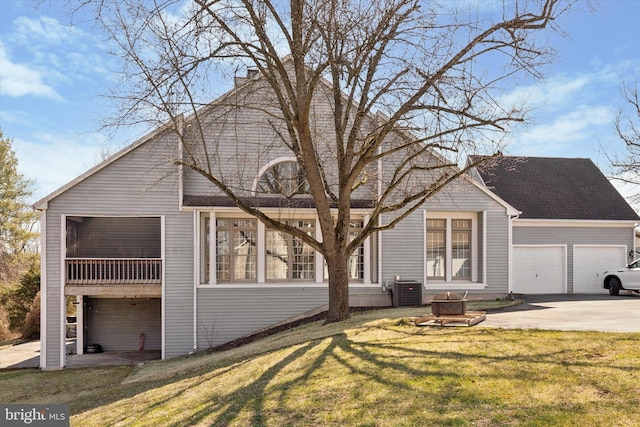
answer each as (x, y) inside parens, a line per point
(584, 312)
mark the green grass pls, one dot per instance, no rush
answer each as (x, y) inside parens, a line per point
(375, 369)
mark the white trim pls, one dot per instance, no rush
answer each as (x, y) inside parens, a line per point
(261, 252)
(449, 281)
(213, 250)
(284, 285)
(44, 339)
(484, 246)
(511, 211)
(163, 253)
(319, 258)
(509, 254)
(254, 185)
(519, 222)
(454, 284)
(63, 303)
(366, 254)
(79, 324)
(379, 260)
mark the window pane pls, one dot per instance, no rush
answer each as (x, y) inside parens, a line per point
(284, 178)
(356, 260)
(204, 250)
(244, 251)
(436, 253)
(436, 223)
(461, 254)
(222, 255)
(277, 259)
(460, 223)
(303, 260)
(236, 249)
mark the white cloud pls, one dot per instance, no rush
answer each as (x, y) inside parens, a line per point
(54, 160)
(562, 134)
(44, 30)
(18, 80)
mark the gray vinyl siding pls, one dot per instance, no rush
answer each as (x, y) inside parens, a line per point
(242, 138)
(116, 323)
(52, 303)
(143, 182)
(403, 246)
(570, 236)
(225, 314)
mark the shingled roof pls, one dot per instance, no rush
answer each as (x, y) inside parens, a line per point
(556, 188)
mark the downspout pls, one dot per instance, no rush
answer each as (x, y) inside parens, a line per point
(196, 276)
(63, 299)
(510, 253)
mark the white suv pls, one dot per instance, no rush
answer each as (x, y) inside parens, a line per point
(625, 278)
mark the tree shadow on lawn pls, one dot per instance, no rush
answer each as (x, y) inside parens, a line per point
(395, 369)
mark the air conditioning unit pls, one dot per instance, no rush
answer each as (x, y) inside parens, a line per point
(407, 293)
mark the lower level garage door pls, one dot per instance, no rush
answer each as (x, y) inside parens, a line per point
(539, 269)
(589, 262)
(117, 323)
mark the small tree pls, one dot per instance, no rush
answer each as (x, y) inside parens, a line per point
(17, 220)
(18, 299)
(408, 82)
(18, 245)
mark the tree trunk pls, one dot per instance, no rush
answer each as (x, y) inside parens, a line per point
(338, 288)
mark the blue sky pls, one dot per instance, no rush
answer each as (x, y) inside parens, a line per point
(52, 76)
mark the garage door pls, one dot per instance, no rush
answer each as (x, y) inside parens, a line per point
(589, 262)
(116, 323)
(539, 269)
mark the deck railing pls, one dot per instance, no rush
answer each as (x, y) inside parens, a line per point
(113, 271)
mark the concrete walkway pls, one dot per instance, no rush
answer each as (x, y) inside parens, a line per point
(27, 355)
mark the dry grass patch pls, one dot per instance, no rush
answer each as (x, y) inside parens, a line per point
(374, 370)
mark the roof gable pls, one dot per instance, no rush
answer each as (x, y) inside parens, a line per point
(556, 188)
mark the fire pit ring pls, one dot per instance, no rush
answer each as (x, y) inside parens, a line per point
(448, 304)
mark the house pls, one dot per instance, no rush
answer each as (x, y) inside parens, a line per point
(573, 224)
(153, 255)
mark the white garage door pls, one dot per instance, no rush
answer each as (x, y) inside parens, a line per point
(539, 269)
(589, 262)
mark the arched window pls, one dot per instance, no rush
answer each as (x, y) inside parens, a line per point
(285, 178)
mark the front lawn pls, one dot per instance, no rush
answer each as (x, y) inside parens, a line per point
(376, 369)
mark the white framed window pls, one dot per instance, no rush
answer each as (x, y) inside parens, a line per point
(288, 257)
(451, 247)
(356, 264)
(236, 249)
(244, 251)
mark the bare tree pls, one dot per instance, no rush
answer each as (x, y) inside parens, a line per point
(412, 86)
(626, 167)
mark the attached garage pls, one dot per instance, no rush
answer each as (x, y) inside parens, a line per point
(589, 262)
(539, 269)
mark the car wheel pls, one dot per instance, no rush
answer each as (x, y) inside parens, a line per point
(614, 286)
